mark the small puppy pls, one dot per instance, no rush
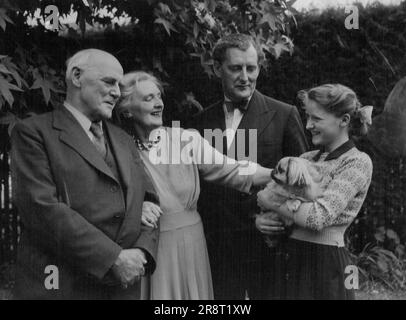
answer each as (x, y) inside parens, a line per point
(294, 180)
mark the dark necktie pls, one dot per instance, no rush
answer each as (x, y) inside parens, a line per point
(242, 105)
(98, 141)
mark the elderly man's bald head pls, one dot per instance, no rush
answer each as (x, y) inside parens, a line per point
(92, 79)
(87, 59)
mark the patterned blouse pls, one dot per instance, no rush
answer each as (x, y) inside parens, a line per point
(346, 178)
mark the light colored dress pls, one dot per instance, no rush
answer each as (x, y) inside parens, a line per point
(183, 267)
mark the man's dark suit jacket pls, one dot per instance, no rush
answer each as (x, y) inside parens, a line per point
(75, 214)
(228, 214)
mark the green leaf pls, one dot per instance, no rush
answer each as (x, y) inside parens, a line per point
(380, 234)
(4, 69)
(156, 62)
(41, 83)
(166, 24)
(393, 236)
(45, 84)
(8, 118)
(4, 18)
(190, 98)
(5, 87)
(195, 30)
(383, 266)
(279, 47)
(20, 81)
(270, 19)
(164, 8)
(190, 40)
(89, 3)
(211, 5)
(14, 71)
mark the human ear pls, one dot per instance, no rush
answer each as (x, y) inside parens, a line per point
(217, 69)
(76, 73)
(345, 120)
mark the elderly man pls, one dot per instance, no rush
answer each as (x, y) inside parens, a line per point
(240, 260)
(79, 187)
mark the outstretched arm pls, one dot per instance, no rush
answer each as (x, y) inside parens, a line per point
(218, 168)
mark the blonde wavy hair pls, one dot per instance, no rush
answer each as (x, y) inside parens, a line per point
(338, 100)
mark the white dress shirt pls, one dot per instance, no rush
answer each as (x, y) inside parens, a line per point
(233, 119)
(84, 121)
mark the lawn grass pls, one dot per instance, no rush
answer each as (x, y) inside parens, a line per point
(374, 292)
(377, 291)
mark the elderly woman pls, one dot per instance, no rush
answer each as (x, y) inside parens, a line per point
(174, 157)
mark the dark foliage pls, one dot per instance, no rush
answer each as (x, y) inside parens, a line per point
(370, 60)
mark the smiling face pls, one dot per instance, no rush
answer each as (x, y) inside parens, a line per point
(147, 105)
(327, 129)
(99, 87)
(239, 72)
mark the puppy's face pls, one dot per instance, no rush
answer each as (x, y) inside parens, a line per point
(292, 171)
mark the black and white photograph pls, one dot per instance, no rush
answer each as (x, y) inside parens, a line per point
(198, 155)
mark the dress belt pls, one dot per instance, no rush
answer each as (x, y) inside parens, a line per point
(179, 219)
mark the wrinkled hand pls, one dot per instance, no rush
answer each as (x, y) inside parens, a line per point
(129, 266)
(269, 223)
(265, 202)
(150, 214)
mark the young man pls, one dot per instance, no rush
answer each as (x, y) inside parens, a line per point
(240, 260)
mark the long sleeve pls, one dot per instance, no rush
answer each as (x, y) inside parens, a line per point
(342, 197)
(216, 167)
(46, 216)
(149, 237)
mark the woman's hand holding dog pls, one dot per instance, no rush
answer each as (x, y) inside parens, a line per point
(265, 202)
(268, 223)
(275, 214)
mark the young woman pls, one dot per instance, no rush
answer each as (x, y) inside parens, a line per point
(316, 254)
(183, 268)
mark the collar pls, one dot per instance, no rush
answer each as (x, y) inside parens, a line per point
(84, 121)
(338, 152)
(227, 99)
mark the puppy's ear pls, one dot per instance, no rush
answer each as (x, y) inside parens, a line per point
(303, 177)
(217, 69)
(292, 172)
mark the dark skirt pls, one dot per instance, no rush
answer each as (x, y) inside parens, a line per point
(315, 271)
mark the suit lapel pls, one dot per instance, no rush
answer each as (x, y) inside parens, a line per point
(216, 119)
(73, 135)
(257, 117)
(254, 117)
(122, 154)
